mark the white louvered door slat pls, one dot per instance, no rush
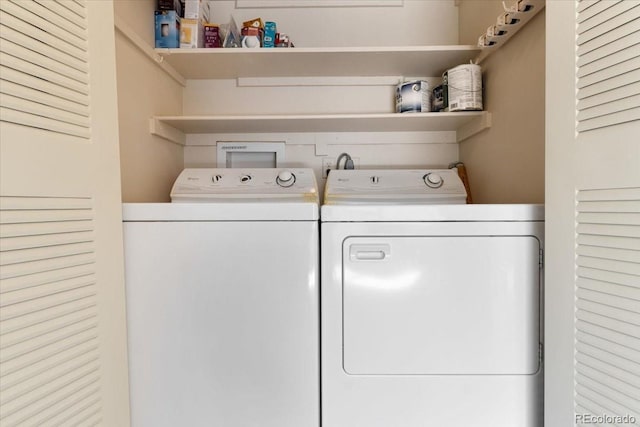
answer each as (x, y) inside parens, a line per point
(36, 39)
(607, 29)
(74, 16)
(73, 6)
(607, 14)
(592, 258)
(33, 83)
(619, 81)
(608, 61)
(45, 61)
(584, 4)
(24, 66)
(609, 96)
(590, 9)
(62, 318)
(31, 12)
(609, 36)
(611, 72)
(27, 93)
(39, 109)
(629, 41)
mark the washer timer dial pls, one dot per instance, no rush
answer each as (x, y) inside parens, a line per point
(285, 179)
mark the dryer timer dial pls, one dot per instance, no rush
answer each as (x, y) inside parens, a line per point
(433, 180)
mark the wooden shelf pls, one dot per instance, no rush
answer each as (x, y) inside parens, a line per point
(414, 61)
(174, 128)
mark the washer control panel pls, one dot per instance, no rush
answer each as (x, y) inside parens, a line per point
(400, 186)
(206, 184)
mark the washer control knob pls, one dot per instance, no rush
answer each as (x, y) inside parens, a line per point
(245, 178)
(433, 180)
(285, 179)
(216, 178)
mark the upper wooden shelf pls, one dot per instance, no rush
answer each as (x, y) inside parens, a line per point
(415, 61)
(465, 124)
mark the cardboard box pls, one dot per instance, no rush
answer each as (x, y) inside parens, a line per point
(212, 36)
(269, 34)
(167, 29)
(197, 9)
(191, 33)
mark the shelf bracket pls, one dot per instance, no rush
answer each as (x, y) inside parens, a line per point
(474, 127)
(163, 130)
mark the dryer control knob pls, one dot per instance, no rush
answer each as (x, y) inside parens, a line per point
(433, 180)
(286, 179)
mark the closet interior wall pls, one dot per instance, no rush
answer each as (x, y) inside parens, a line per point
(148, 164)
(505, 163)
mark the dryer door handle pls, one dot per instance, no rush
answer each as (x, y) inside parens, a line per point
(375, 252)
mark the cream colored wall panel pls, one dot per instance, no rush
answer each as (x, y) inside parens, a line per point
(204, 97)
(63, 345)
(417, 22)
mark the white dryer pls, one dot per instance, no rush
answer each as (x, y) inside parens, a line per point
(222, 301)
(430, 312)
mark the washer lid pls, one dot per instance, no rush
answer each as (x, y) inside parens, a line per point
(220, 211)
(245, 185)
(394, 187)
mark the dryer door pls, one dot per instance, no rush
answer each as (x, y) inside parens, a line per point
(441, 305)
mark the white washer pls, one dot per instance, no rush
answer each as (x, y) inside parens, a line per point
(430, 312)
(222, 301)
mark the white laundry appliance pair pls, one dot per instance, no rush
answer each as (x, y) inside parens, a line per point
(430, 308)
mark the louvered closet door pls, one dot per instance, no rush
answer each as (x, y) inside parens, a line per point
(593, 213)
(62, 318)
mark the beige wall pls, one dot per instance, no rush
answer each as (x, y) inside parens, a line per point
(506, 162)
(148, 164)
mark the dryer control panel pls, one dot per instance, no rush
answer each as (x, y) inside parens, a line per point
(424, 186)
(206, 184)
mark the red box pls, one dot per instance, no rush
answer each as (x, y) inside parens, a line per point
(212, 36)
